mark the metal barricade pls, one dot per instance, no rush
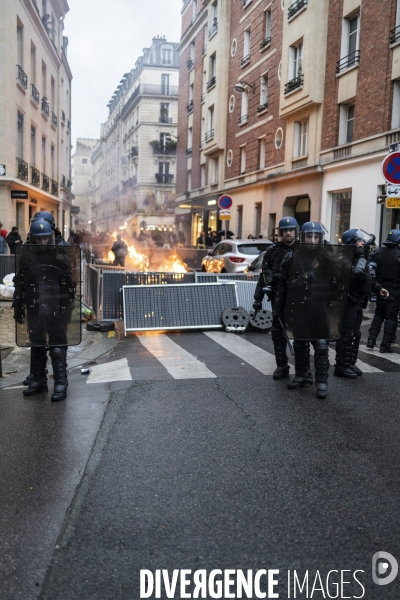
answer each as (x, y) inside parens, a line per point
(7, 265)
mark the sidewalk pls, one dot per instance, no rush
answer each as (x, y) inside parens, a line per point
(93, 346)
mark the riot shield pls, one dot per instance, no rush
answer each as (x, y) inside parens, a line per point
(47, 299)
(317, 291)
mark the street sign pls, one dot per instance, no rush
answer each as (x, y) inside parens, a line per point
(391, 168)
(225, 202)
(225, 215)
(392, 191)
(21, 194)
(392, 202)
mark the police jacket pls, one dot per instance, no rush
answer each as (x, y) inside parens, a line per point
(270, 270)
(387, 261)
(363, 278)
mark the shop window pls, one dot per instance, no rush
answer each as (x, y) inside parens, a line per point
(340, 217)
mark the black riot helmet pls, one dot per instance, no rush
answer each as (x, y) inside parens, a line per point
(43, 215)
(351, 236)
(393, 238)
(41, 232)
(312, 227)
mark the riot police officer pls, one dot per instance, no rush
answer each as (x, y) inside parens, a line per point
(269, 276)
(387, 262)
(361, 283)
(310, 314)
(44, 292)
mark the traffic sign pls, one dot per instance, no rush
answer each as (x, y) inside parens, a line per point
(392, 202)
(392, 191)
(225, 215)
(225, 202)
(391, 168)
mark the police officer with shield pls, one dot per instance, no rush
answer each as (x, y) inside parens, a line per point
(387, 262)
(310, 299)
(269, 277)
(44, 300)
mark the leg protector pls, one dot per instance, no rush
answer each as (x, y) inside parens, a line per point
(321, 362)
(354, 354)
(389, 331)
(58, 360)
(280, 347)
(301, 350)
(38, 383)
(344, 348)
(29, 378)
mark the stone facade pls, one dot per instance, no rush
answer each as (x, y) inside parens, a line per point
(35, 113)
(82, 173)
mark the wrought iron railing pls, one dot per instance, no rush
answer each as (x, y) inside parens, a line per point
(202, 98)
(243, 119)
(54, 187)
(394, 34)
(265, 43)
(22, 169)
(190, 107)
(163, 119)
(22, 77)
(62, 116)
(190, 64)
(209, 135)
(45, 107)
(54, 119)
(63, 182)
(245, 60)
(168, 150)
(211, 83)
(295, 7)
(294, 84)
(35, 96)
(262, 107)
(35, 177)
(348, 61)
(213, 29)
(204, 50)
(164, 178)
(45, 183)
(189, 151)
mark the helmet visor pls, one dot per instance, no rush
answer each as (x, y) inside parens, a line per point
(43, 240)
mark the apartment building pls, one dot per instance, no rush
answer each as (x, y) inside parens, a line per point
(35, 113)
(361, 114)
(81, 175)
(138, 141)
(203, 109)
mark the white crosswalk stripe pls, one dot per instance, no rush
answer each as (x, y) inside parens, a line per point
(258, 358)
(394, 358)
(178, 362)
(117, 370)
(365, 367)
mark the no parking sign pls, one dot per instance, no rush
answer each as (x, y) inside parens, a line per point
(224, 203)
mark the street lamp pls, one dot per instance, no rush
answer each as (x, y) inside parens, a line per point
(239, 87)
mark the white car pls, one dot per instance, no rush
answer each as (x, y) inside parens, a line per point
(233, 256)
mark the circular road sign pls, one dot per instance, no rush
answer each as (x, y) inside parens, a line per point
(225, 202)
(391, 168)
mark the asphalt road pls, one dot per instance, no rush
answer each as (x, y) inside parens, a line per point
(226, 471)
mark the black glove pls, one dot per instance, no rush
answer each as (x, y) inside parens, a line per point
(19, 313)
(257, 305)
(268, 292)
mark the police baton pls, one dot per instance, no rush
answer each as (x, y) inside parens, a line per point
(286, 337)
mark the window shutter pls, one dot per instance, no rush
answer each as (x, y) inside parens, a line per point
(296, 139)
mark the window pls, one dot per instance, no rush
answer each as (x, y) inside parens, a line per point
(246, 44)
(164, 113)
(20, 135)
(191, 93)
(203, 176)
(214, 167)
(261, 153)
(349, 52)
(189, 180)
(278, 138)
(165, 84)
(166, 56)
(244, 108)
(242, 160)
(194, 7)
(190, 138)
(231, 104)
(295, 61)
(52, 160)
(84, 161)
(229, 158)
(43, 154)
(233, 48)
(33, 64)
(52, 94)
(214, 12)
(165, 138)
(44, 7)
(346, 123)
(33, 146)
(267, 24)
(264, 91)
(210, 122)
(258, 219)
(212, 65)
(340, 217)
(44, 79)
(396, 104)
(20, 45)
(300, 139)
(192, 51)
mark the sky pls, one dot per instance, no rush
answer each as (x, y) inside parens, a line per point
(106, 37)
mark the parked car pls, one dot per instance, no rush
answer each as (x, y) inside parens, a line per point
(255, 266)
(233, 256)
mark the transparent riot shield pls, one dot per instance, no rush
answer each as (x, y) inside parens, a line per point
(317, 291)
(47, 299)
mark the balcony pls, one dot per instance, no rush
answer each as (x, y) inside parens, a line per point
(193, 21)
(35, 177)
(165, 178)
(22, 169)
(294, 84)
(245, 60)
(45, 183)
(45, 107)
(211, 83)
(62, 116)
(202, 98)
(296, 7)
(35, 96)
(213, 29)
(22, 78)
(209, 135)
(164, 119)
(201, 144)
(204, 50)
(190, 107)
(189, 151)
(262, 107)
(346, 62)
(169, 149)
(394, 35)
(243, 119)
(190, 64)
(54, 187)
(133, 152)
(265, 43)
(54, 119)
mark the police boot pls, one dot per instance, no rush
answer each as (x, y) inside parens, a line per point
(354, 355)
(300, 366)
(282, 369)
(38, 384)
(343, 368)
(58, 361)
(371, 342)
(28, 380)
(388, 333)
(308, 368)
(321, 362)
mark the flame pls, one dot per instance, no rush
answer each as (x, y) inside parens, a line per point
(139, 261)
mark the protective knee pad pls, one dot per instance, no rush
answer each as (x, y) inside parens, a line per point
(57, 352)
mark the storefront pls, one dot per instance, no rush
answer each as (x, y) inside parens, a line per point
(204, 215)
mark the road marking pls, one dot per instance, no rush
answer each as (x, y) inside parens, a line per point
(16, 387)
(393, 357)
(117, 370)
(256, 357)
(178, 362)
(365, 367)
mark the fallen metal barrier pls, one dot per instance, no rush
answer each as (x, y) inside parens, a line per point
(7, 265)
(245, 293)
(176, 306)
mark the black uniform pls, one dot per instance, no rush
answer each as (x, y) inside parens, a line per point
(269, 276)
(361, 283)
(387, 262)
